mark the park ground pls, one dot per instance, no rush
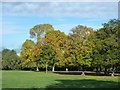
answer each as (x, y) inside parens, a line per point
(61, 79)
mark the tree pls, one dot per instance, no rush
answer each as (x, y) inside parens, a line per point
(38, 33)
(37, 52)
(77, 51)
(26, 53)
(56, 41)
(47, 55)
(96, 56)
(10, 60)
(106, 41)
(69, 53)
(84, 56)
(40, 30)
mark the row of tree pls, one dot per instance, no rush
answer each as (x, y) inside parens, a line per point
(83, 48)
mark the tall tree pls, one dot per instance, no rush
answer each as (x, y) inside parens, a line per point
(56, 41)
(96, 56)
(106, 41)
(38, 33)
(77, 51)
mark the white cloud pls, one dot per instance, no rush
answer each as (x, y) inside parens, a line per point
(61, 9)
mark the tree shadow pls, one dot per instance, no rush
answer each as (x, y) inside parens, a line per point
(86, 73)
(84, 83)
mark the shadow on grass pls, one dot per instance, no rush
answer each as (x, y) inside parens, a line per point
(86, 73)
(84, 83)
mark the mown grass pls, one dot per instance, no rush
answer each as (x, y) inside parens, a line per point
(31, 79)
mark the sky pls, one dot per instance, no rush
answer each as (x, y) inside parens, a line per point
(19, 17)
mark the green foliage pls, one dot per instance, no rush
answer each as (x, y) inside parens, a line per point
(26, 54)
(38, 32)
(56, 40)
(105, 52)
(10, 60)
(48, 54)
(77, 47)
(82, 47)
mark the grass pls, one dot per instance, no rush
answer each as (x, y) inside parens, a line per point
(31, 79)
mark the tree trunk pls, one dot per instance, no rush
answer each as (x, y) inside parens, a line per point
(37, 69)
(113, 72)
(108, 71)
(100, 69)
(96, 69)
(46, 67)
(53, 69)
(66, 69)
(83, 73)
(105, 72)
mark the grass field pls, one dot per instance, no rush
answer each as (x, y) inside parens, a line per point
(31, 79)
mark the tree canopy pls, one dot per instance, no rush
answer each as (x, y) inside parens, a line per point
(10, 60)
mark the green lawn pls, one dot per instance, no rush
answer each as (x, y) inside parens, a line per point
(31, 79)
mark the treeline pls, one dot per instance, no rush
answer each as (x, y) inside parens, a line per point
(82, 49)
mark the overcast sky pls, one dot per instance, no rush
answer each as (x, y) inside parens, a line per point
(19, 17)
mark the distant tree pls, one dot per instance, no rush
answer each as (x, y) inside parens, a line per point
(10, 60)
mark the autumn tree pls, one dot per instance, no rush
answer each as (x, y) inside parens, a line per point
(40, 30)
(36, 53)
(38, 33)
(26, 53)
(77, 50)
(56, 41)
